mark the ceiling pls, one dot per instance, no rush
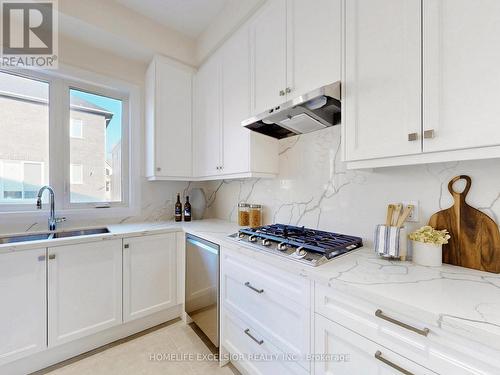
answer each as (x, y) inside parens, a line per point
(189, 17)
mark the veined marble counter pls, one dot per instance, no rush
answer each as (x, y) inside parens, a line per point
(212, 229)
(458, 300)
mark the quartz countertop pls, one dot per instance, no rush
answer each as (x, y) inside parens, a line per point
(211, 229)
(459, 300)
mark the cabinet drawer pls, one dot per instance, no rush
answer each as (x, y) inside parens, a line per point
(258, 302)
(252, 353)
(341, 351)
(286, 286)
(436, 350)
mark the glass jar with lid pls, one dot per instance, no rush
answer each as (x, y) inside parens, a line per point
(243, 214)
(255, 215)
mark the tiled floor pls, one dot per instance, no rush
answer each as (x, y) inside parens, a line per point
(134, 357)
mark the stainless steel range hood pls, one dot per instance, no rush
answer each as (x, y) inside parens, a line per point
(313, 111)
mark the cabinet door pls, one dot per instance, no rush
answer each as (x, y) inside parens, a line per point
(85, 289)
(382, 86)
(207, 126)
(268, 51)
(461, 79)
(23, 304)
(173, 143)
(236, 102)
(149, 275)
(343, 352)
(314, 44)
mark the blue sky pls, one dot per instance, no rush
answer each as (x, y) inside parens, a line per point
(114, 130)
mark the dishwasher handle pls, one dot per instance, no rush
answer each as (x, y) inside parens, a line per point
(214, 249)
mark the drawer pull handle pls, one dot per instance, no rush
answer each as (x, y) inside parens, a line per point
(423, 332)
(247, 332)
(248, 285)
(378, 355)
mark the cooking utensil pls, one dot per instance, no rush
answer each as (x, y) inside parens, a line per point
(475, 238)
(406, 212)
(390, 210)
(397, 212)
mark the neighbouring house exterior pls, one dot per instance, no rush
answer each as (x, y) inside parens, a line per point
(24, 152)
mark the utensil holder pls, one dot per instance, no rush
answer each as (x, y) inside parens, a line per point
(391, 242)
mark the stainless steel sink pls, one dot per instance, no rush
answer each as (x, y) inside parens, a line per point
(50, 236)
(25, 238)
(82, 232)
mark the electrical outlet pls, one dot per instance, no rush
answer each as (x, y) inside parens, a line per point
(414, 217)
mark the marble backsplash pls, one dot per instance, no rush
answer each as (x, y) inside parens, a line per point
(157, 204)
(315, 189)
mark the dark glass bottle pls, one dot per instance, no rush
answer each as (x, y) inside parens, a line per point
(187, 210)
(178, 208)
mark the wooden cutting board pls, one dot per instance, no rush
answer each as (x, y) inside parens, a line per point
(475, 238)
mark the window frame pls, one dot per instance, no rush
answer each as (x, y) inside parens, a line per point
(60, 82)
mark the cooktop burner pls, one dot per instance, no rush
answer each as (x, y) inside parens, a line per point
(306, 245)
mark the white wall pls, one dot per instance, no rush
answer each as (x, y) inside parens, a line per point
(115, 28)
(228, 21)
(314, 189)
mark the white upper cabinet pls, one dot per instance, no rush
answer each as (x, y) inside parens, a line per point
(268, 43)
(223, 148)
(243, 151)
(207, 119)
(461, 73)
(396, 115)
(23, 312)
(314, 44)
(84, 289)
(235, 82)
(296, 47)
(168, 120)
(381, 91)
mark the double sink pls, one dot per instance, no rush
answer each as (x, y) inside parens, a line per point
(51, 235)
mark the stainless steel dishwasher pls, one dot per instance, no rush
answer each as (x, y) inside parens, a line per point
(202, 285)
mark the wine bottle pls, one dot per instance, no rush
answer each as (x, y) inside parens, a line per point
(178, 208)
(187, 210)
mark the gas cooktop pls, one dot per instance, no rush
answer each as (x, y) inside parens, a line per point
(308, 246)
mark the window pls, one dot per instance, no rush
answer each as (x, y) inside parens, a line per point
(97, 154)
(24, 138)
(21, 181)
(76, 128)
(90, 164)
(76, 174)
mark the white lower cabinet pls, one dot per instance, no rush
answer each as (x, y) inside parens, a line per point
(23, 304)
(266, 316)
(253, 353)
(344, 352)
(84, 289)
(149, 275)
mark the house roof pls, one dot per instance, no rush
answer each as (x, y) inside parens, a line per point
(30, 90)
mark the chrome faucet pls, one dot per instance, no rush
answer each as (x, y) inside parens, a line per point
(53, 221)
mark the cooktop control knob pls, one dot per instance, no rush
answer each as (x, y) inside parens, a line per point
(241, 235)
(252, 238)
(266, 242)
(300, 253)
(282, 246)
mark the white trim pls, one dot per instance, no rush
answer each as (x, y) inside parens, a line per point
(59, 135)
